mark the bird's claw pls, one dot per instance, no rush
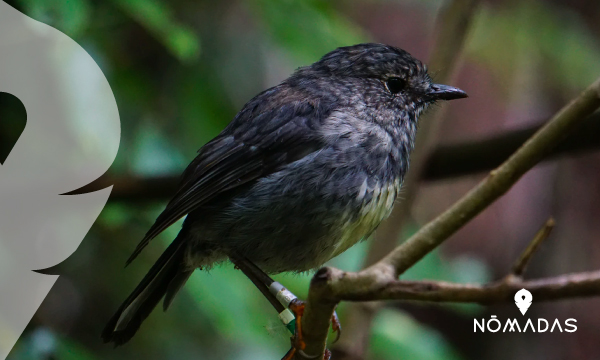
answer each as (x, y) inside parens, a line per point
(297, 308)
(336, 326)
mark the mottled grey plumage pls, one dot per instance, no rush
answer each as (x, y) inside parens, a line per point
(304, 171)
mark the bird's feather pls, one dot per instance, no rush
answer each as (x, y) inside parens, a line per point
(259, 141)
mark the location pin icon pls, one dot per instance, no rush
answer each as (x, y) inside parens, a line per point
(523, 299)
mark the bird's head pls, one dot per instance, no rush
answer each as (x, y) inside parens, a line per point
(384, 81)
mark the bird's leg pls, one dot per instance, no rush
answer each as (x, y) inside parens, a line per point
(261, 280)
(297, 307)
(282, 299)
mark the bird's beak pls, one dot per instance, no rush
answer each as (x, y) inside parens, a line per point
(445, 92)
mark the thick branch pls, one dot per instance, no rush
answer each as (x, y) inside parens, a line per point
(381, 278)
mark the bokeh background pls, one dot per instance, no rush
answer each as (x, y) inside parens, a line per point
(180, 70)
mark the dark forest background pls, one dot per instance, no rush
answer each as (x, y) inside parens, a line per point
(180, 70)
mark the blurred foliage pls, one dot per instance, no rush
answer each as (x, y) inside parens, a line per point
(545, 32)
(397, 336)
(72, 16)
(312, 19)
(180, 71)
(157, 18)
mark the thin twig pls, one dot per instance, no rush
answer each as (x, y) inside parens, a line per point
(546, 289)
(521, 264)
(445, 162)
(452, 28)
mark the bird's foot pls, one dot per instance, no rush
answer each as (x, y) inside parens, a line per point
(297, 308)
(336, 326)
(290, 354)
(298, 345)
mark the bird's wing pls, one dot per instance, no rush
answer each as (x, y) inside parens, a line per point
(259, 141)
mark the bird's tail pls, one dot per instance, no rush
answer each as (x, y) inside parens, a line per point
(164, 279)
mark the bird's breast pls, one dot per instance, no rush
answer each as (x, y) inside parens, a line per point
(373, 204)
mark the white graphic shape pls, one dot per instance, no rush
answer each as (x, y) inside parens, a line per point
(523, 299)
(71, 138)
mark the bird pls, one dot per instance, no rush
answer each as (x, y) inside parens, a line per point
(304, 171)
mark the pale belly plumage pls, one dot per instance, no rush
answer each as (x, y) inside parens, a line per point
(372, 213)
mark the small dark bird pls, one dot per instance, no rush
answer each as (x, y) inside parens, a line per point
(303, 172)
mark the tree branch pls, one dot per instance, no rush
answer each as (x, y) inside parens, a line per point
(446, 161)
(521, 264)
(496, 183)
(333, 285)
(546, 289)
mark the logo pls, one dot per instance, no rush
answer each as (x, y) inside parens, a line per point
(523, 300)
(71, 137)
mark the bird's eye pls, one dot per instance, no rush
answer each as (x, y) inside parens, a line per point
(395, 84)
